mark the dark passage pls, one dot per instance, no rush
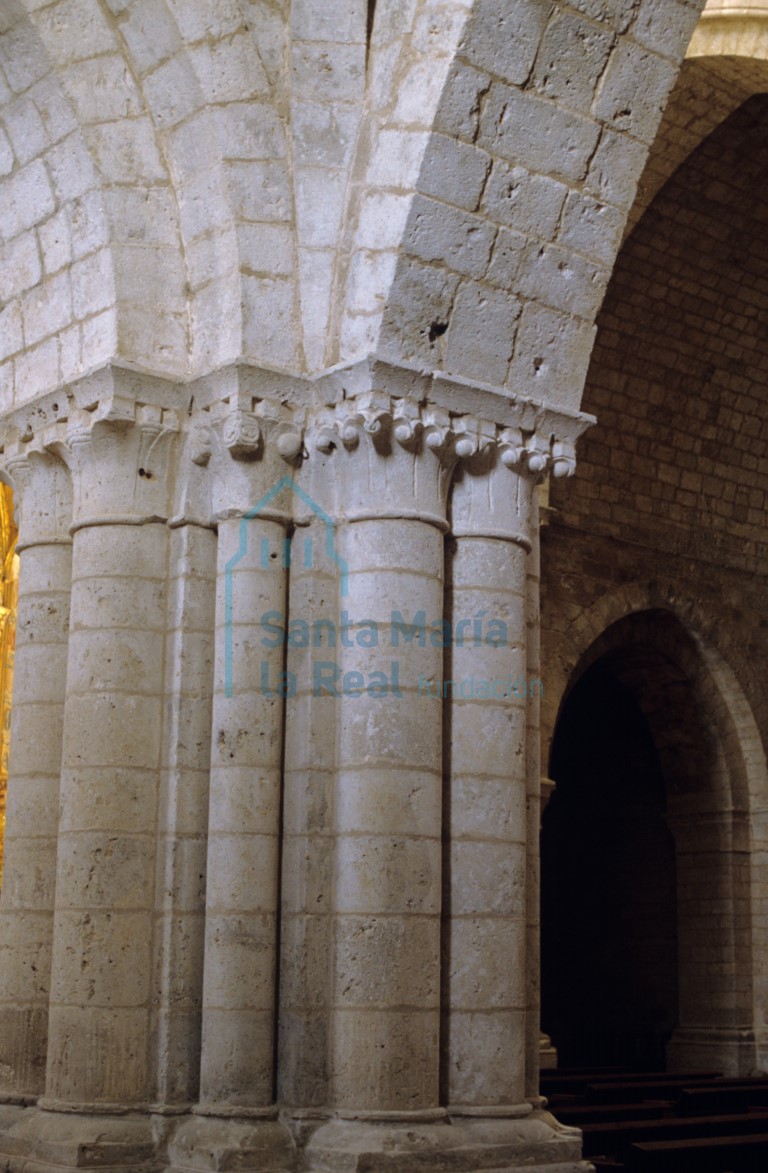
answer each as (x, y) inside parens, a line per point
(609, 948)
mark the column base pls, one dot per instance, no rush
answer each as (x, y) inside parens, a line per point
(49, 1142)
(731, 1050)
(210, 1144)
(469, 1146)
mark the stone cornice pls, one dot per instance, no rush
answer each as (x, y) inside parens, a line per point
(397, 434)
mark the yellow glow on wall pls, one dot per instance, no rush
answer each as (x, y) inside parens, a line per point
(9, 586)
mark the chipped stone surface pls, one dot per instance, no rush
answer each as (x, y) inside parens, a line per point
(273, 258)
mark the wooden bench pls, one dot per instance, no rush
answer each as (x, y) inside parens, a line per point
(614, 1139)
(713, 1154)
(723, 1097)
(666, 1087)
(570, 1081)
(579, 1114)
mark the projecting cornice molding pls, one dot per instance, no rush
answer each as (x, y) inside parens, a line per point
(142, 449)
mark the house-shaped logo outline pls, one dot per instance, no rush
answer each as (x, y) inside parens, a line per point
(286, 482)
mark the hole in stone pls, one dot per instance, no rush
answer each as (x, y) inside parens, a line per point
(436, 330)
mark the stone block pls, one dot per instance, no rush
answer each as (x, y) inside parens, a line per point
(229, 70)
(564, 280)
(481, 336)
(529, 203)
(458, 112)
(172, 91)
(634, 91)
(573, 55)
(454, 172)
(537, 133)
(25, 199)
(387, 961)
(436, 233)
(328, 71)
(103, 90)
(150, 33)
(504, 40)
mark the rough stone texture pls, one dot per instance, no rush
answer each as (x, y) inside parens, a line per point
(299, 301)
(26, 920)
(181, 186)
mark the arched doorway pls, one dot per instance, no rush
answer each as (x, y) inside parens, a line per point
(609, 895)
(646, 905)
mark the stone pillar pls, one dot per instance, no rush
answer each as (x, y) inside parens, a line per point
(547, 1050)
(486, 780)
(250, 454)
(715, 1029)
(533, 797)
(237, 1065)
(307, 923)
(392, 466)
(429, 807)
(183, 815)
(387, 804)
(99, 1029)
(43, 497)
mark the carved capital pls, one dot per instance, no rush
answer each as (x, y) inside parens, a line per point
(121, 457)
(493, 489)
(396, 455)
(388, 456)
(42, 493)
(238, 451)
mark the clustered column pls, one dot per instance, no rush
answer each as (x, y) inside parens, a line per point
(152, 787)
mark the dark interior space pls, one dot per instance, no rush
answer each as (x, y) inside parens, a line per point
(609, 948)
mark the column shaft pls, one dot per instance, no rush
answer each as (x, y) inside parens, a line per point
(533, 1037)
(239, 996)
(100, 1000)
(183, 816)
(387, 814)
(484, 941)
(306, 928)
(26, 909)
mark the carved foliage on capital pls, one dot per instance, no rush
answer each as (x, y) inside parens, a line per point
(42, 487)
(493, 490)
(370, 455)
(394, 456)
(401, 455)
(240, 448)
(121, 455)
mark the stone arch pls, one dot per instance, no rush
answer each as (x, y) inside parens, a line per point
(506, 189)
(211, 162)
(726, 63)
(57, 283)
(656, 643)
(703, 627)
